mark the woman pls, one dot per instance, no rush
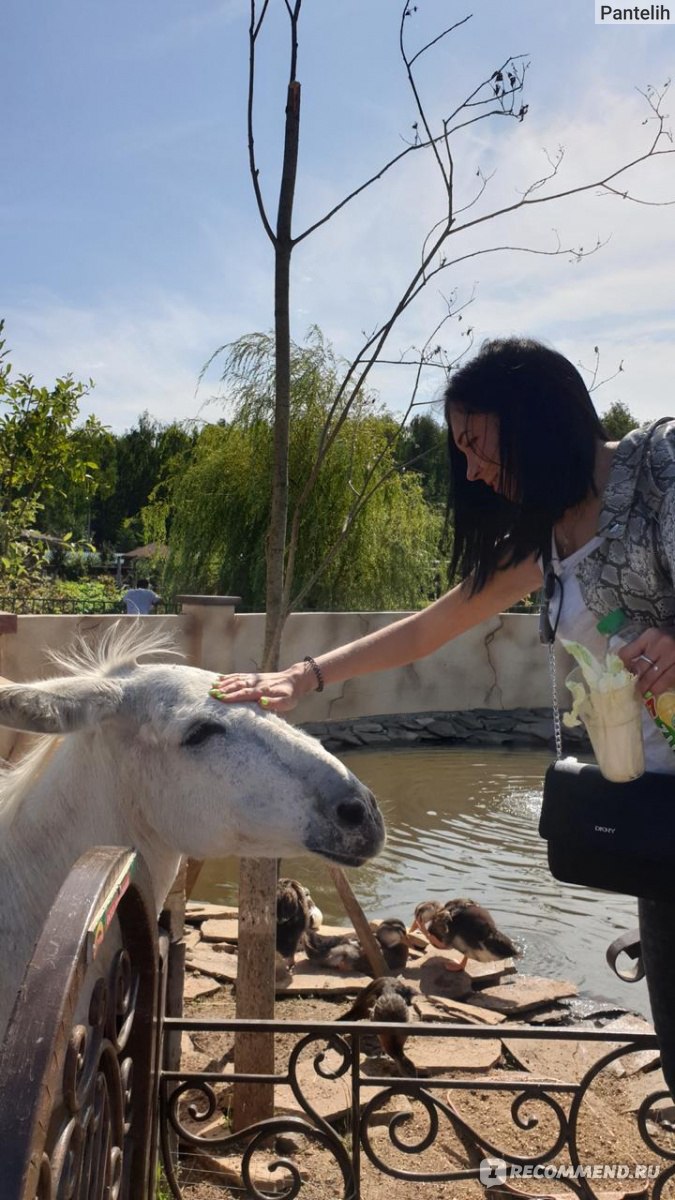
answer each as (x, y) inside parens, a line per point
(533, 475)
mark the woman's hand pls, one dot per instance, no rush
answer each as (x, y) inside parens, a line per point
(278, 691)
(652, 658)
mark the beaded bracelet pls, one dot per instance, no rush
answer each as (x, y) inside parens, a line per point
(316, 669)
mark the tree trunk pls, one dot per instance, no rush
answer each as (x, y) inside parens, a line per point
(254, 1053)
(276, 537)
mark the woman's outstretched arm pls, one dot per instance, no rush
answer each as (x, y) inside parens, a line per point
(398, 644)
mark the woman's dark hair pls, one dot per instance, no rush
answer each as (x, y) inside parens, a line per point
(548, 430)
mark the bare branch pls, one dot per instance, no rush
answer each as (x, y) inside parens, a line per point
(484, 180)
(555, 164)
(511, 65)
(636, 199)
(440, 37)
(256, 26)
(529, 201)
(254, 30)
(430, 142)
(593, 371)
(369, 355)
(357, 191)
(418, 102)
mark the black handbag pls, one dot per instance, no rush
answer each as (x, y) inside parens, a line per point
(619, 837)
(616, 836)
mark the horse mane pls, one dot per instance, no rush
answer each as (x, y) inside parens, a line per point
(120, 648)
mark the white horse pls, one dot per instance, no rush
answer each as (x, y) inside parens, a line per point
(144, 757)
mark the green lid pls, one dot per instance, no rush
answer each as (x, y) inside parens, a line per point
(612, 622)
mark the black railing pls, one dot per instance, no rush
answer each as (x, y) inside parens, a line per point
(60, 606)
(86, 1086)
(38, 606)
(547, 1112)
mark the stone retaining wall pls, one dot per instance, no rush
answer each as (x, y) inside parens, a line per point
(524, 727)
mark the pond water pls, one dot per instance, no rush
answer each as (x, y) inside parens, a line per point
(463, 822)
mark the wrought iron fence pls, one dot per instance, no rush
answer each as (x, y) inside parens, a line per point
(87, 1085)
(548, 1112)
(38, 606)
(61, 606)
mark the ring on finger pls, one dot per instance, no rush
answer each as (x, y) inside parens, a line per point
(646, 658)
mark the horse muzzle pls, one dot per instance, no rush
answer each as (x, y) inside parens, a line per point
(346, 827)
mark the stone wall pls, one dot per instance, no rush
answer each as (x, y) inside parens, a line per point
(499, 667)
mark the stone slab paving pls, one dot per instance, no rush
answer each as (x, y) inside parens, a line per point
(331, 1099)
(436, 1056)
(441, 1008)
(196, 986)
(197, 911)
(525, 993)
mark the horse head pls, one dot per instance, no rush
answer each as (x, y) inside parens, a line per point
(205, 779)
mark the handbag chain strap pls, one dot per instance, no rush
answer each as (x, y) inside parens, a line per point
(552, 666)
(557, 727)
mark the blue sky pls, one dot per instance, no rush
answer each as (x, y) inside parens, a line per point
(131, 245)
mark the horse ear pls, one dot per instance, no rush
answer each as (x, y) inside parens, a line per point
(59, 705)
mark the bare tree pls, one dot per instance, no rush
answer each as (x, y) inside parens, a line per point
(500, 95)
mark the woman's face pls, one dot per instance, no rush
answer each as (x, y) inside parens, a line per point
(477, 436)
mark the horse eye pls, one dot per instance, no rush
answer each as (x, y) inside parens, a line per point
(200, 733)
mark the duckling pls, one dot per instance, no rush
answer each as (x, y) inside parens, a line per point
(386, 999)
(344, 953)
(315, 913)
(293, 917)
(423, 914)
(282, 974)
(463, 925)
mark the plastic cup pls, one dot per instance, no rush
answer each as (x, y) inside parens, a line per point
(613, 721)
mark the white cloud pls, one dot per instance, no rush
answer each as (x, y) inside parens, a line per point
(619, 298)
(141, 354)
(146, 350)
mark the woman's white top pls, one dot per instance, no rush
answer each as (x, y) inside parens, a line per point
(576, 623)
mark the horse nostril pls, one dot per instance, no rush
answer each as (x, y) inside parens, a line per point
(351, 812)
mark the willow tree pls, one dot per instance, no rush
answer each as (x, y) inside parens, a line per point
(358, 546)
(499, 95)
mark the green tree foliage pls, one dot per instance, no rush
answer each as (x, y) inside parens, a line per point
(37, 458)
(349, 554)
(422, 447)
(106, 508)
(73, 504)
(618, 421)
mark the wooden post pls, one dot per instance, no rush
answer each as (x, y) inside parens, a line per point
(192, 873)
(365, 934)
(254, 1052)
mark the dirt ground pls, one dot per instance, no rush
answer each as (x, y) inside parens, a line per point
(607, 1119)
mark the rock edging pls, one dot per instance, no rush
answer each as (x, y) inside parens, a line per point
(517, 727)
